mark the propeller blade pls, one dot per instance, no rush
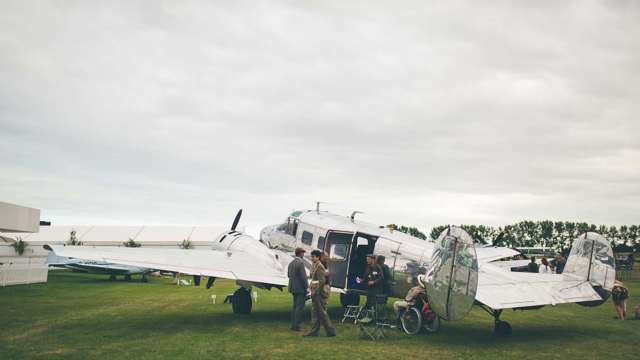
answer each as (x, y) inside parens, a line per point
(236, 220)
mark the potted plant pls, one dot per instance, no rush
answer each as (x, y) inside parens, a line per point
(131, 243)
(185, 244)
(73, 239)
(19, 246)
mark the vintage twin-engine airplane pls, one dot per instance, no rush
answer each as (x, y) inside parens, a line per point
(459, 275)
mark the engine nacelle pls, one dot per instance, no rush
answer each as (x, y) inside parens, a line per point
(234, 241)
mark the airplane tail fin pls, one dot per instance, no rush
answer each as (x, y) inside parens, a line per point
(452, 275)
(591, 259)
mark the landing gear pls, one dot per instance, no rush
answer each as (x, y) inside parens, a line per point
(113, 277)
(241, 301)
(144, 278)
(349, 299)
(500, 328)
(127, 277)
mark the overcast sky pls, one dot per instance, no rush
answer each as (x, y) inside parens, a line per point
(421, 114)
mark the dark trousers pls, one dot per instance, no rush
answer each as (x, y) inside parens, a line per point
(321, 317)
(371, 297)
(297, 310)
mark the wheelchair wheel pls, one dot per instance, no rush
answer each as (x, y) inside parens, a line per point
(432, 325)
(411, 321)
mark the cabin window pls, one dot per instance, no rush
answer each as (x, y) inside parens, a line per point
(321, 242)
(307, 238)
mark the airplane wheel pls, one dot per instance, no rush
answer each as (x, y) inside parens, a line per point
(411, 321)
(433, 325)
(241, 301)
(502, 328)
(127, 277)
(349, 299)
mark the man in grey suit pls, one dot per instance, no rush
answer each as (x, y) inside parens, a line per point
(298, 285)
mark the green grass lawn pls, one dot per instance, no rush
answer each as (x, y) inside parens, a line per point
(88, 316)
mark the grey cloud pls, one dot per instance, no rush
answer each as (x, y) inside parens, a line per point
(416, 113)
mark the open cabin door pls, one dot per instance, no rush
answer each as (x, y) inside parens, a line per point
(338, 246)
(391, 251)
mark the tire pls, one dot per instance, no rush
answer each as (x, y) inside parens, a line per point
(411, 321)
(349, 299)
(502, 328)
(433, 325)
(127, 277)
(241, 302)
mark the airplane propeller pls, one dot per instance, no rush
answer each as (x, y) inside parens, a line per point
(236, 220)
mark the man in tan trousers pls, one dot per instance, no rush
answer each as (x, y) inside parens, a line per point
(319, 296)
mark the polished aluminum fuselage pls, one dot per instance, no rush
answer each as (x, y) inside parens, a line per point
(406, 256)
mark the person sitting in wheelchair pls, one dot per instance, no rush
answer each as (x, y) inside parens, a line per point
(412, 296)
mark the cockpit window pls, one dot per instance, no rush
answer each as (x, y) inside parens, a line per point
(290, 227)
(293, 227)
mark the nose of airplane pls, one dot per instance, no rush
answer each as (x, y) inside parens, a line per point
(265, 235)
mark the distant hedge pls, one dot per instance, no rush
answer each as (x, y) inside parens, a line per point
(554, 234)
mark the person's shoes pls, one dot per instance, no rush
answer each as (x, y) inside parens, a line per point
(310, 334)
(331, 334)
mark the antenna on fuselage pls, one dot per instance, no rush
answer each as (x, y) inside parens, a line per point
(322, 202)
(353, 215)
(318, 205)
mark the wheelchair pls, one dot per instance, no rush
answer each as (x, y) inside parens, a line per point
(419, 316)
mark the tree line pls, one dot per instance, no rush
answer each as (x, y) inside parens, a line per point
(558, 235)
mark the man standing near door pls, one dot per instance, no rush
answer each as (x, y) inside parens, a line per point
(298, 286)
(375, 280)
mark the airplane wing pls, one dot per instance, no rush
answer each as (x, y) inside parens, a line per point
(590, 265)
(491, 253)
(499, 288)
(234, 265)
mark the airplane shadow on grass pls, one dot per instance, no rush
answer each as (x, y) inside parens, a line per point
(478, 332)
(277, 322)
